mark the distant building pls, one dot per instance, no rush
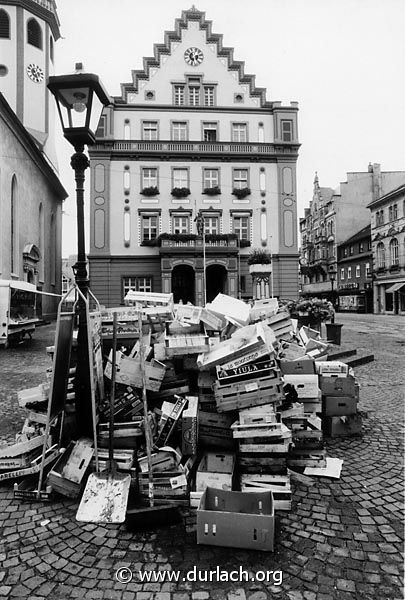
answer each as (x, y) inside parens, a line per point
(388, 240)
(354, 269)
(334, 216)
(192, 135)
(31, 194)
(68, 278)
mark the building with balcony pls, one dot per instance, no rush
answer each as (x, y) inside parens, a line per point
(354, 285)
(31, 194)
(388, 243)
(332, 218)
(191, 135)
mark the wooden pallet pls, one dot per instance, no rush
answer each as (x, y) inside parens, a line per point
(242, 395)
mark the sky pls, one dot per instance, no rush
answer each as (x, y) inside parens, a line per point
(342, 60)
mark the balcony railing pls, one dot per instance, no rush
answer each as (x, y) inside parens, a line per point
(48, 4)
(199, 147)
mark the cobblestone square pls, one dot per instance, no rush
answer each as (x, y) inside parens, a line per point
(342, 539)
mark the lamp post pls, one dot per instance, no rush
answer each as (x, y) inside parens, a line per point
(80, 99)
(332, 277)
(200, 225)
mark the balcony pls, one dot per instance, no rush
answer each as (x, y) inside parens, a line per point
(48, 4)
(145, 148)
(215, 243)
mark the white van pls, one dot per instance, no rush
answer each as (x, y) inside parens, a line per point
(17, 310)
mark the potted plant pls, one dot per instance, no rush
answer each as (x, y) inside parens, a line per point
(150, 191)
(311, 312)
(212, 191)
(259, 261)
(180, 192)
(241, 192)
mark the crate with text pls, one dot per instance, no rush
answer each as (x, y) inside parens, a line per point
(215, 429)
(252, 393)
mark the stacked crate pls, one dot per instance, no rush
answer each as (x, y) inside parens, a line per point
(340, 396)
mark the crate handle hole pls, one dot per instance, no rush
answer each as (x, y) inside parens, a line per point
(255, 534)
(206, 529)
(214, 529)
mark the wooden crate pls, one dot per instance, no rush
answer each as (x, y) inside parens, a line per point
(191, 343)
(278, 484)
(243, 395)
(276, 431)
(68, 475)
(302, 458)
(215, 430)
(262, 463)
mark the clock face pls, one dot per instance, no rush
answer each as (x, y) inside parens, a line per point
(193, 56)
(35, 73)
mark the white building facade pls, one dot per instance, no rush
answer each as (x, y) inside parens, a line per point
(191, 134)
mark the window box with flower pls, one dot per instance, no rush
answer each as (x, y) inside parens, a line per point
(182, 192)
(150, 191)
(241, 193)
(212, 191)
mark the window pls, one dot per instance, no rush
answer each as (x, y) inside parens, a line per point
(34, 33)
(209, 95)
(358, 271)
(242, 284)
(379, 217)
(369, 245)
(149, 177)
(181, 224)
(210, 132)
(351, 249)
(349, 272)
(179, 96)
(390, 213)
(367, 269)
(13, 225)
(51, 48)
(65, 284)
(194, 95)
(127, 131)
(149, 130)
(380, 256)
(180, 178)
(136, 284)
(287, 131)
(361, 247)
(345, 251)
(211, 224)
(342, 274)
(239, 132)
(4, 24)
(394, 256)
(179, 131)
(149, 227)
(240, 226)
(240, 178)
(394, 212)
(210, 178)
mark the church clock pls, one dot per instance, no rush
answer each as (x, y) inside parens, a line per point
(35, 73)
(193, 56)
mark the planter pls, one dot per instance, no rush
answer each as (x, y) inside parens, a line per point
(309, 321)
(260, 269)
(334, 333)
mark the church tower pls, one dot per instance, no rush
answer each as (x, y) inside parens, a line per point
(28, 32)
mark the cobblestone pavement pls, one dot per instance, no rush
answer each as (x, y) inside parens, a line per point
(342, 539)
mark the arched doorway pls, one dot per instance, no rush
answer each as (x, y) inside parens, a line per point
(216, 281)
(183, 284)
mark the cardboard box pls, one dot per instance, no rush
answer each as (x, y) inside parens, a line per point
(189, 427)
(337, 386)
(303, 366)
(331, 368)
(334, 406)
(215, 470)
(307, 386)
(343, 426)
(236, 519)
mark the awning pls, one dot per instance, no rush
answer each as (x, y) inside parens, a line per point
(395, 287)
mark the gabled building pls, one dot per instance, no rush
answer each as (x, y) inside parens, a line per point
(388, 240)
(354, 269)
(191, 135)
(332, 218)
(31, 194)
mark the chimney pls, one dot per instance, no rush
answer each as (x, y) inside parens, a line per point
(376, 181)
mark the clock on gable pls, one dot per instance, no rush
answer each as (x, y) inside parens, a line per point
(193, 56)
(35, 73)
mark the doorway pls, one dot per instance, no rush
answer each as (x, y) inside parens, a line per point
(216, 280)
(183, 284)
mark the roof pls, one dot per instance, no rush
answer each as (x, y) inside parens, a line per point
(175, 36)
(29, 145)
(388, 196)
(360, 235)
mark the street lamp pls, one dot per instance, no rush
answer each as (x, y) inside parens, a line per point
(332, 277)
(80, 99)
